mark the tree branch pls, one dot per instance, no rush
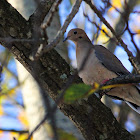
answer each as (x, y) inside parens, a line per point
(17, 131)
(124, 79)
(62, 30)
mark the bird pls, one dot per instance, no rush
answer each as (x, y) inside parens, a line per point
(102, 65)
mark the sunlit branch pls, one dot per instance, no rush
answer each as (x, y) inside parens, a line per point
(50, 14)
(62, 30)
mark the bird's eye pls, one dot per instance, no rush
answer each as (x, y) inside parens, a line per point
(75, 32)
(80, 37)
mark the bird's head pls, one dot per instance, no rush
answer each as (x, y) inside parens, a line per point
(76, 35)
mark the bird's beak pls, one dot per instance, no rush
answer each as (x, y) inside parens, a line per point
(65, 39)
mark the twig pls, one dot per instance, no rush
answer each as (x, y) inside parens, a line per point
(132, 59)
(62, 30)
(124, 79)
(13, 130)
(86, 16)
(50, 14)
(46, 24)
(136, 12)
(29, 137)
(109, 3)
(43, 7)
(132, 38)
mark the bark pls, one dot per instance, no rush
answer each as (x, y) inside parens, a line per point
(92, 117)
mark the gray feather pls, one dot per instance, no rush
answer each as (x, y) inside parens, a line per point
(109, 60)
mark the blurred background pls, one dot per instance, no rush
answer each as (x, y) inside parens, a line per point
(21, 106)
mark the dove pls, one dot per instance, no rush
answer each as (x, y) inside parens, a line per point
(100, 66)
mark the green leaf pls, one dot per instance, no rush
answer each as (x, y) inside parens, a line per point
(75, 92)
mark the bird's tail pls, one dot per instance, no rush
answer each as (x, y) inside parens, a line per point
(134, 106)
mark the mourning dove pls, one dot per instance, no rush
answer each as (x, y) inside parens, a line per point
(102, 65)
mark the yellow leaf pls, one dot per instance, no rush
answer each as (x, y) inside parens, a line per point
(102, 36)
(24, 136)
(116, 3)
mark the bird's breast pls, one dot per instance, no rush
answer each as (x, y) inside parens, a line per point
(93, 70)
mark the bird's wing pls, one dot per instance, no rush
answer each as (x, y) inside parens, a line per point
(109, 60)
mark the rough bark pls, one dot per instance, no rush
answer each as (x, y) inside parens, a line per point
(92, 117)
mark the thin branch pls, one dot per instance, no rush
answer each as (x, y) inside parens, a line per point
(62, 30)
(43, 7)
(36, 128)
(13, 74)
(50, 14)
(86, 16)
(132, 59)
(124, 79)
(13, 130)
(109, 3)
(44, 27)
(47, 22)
(136, 12)
(132, 38)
